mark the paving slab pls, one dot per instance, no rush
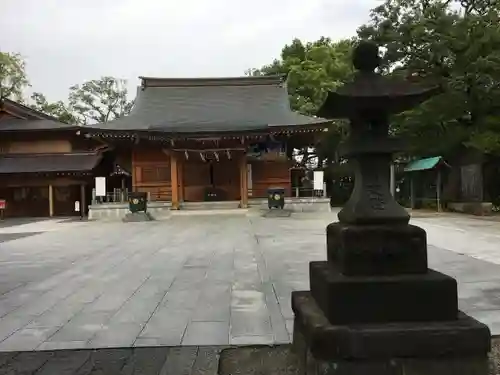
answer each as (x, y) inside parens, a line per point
(193, 280)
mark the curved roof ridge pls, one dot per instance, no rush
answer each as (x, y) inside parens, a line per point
(212, 81)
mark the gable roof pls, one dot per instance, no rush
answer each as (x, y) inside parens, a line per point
(188, 105)
(24, 118)
(21, 111)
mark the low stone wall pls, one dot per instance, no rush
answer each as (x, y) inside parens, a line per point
(473, 208)
(117, 211)
(159, 210)
(297, 204)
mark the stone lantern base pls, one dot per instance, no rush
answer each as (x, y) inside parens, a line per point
(375, 309)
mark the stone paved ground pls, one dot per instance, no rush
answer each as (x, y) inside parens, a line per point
(190, 360)
(195, 280)
(184, 360)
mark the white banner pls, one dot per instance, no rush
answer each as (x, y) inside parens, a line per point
(249, 178)
(318, 180)
(100, 186)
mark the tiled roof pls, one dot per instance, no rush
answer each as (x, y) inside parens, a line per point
(424, 164)
(24, 111)
(210, 105)
(14, 124)
(39, 163)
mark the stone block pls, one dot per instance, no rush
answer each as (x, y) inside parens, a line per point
(363, 299)
(397, 366)
(134, 217)
(377, 249)
(463, 337)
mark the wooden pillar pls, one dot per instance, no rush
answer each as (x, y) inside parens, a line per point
(438, 189)
(123, 198)
(83, 203)
(51, 200)
(174, 180)
(243, 182)
(180, 177)
(392, 181)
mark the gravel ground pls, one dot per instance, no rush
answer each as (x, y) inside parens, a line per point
(279, 361)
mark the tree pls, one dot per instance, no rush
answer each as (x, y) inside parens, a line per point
(99, 100)
(13, 78)
(455, 44)
(58, 109)
(313, 69)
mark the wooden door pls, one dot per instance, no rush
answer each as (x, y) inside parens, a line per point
(196, 177)
(65, 198)
(226, 176)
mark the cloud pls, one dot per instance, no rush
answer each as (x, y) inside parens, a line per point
(67, 42)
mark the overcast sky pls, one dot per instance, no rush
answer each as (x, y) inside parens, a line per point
(65, 42)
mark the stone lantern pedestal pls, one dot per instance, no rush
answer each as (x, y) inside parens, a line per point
(375, 308)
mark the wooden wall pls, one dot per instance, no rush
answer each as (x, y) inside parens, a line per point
(45, 142)
(39, 147)
(266, 174)
(151, 173)
(30, 197)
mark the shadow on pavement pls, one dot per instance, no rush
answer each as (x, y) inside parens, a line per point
(4, 237)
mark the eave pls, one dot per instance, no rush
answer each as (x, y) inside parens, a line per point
(167, 136)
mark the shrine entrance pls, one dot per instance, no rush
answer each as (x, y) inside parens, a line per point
(210, 180)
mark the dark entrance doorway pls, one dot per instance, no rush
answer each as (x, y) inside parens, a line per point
(211, 181)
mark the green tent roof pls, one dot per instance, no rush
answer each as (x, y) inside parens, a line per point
(423, 164)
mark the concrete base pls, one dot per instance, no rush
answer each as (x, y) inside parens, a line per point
(430, 348)
(308, 365)
(281, 360)
(296, 204)
(473, 208)
(118, 211)
(137, 217)
(161, 210)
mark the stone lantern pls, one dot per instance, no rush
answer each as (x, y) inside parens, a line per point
(374, 306)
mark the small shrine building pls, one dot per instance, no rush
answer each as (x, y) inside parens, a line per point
(45, 167)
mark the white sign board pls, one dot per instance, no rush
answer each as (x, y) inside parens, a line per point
(249, 177)
(77, 206)
(318, 180)
(100, 186)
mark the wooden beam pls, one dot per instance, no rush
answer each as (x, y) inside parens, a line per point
(243, 182)
(174, 180)
(51, 200)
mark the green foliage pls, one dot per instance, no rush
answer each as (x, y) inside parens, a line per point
(95, 101)
(452, 44)
(58, 109)
(99, 100)
(13, 78)
(313, 69)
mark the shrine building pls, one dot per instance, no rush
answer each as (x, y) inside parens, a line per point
(208, 139)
